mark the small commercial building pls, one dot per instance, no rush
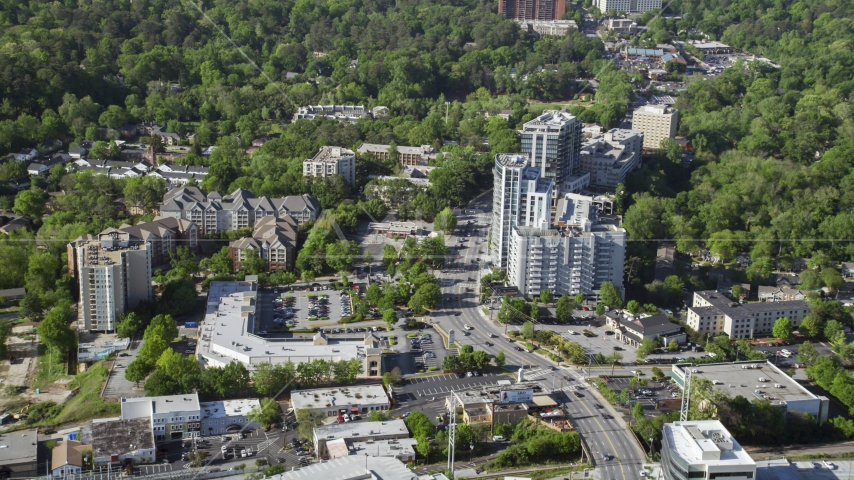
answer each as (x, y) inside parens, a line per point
(331, 402)
(632, 329)
(758, 380)
(225, 416)
(355, 467)
(703, 449)
(713, 48)
(358, 432)
(170, 417)
(508, 404)
(402, 449)
(18, 456)
(120, 441)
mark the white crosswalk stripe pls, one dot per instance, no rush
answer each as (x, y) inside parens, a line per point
(536, 374)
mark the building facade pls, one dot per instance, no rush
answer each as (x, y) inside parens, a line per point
(558, 28)
(657, 122)
(340, 113)
(227, 416)
(419, 156)
(19, 455)
(163, 236)
(609, 157)
(552, 141)
(703, 449)
(114, 269)
(358, 399)
(275, 240)
(212, 212)
(628, 6)
(714, 313)
(625, 26)
(532, 9)
(170, 417)
(577, 256)
(632, 329)
(521, 196)
(331, 161)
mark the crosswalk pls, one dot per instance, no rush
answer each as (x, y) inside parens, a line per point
(535, 374)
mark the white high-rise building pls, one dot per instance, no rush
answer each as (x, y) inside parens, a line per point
(521, 196)
(628, 6)
(610, 156)
(582, 251)
(553, 141)
(657, 122)
(114, 270)
(332, 161)
(703, 449)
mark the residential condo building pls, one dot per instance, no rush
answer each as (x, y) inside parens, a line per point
(331, 161)
(577, 255)
(417, 156)
(521, 197)
(213, 212)
(714, 313)
(114, 270)
(552, 141)
(628, 6)
(275, 240)
(532, 9)
(612, 155)
(657, 122)
(703, 449)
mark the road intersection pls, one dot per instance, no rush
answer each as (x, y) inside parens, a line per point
(615, 452)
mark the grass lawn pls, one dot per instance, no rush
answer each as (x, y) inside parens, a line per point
(87, 404)
(50, 367)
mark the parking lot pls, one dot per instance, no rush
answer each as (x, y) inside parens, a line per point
(297, 308)
(410, 359)
(117, 385)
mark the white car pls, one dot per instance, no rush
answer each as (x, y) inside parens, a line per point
(467, 326)
(498, 438)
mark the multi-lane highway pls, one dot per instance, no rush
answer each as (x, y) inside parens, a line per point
(604, 432)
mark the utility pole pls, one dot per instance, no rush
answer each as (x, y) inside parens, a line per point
(452, 433)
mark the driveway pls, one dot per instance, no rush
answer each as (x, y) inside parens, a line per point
(117, 385)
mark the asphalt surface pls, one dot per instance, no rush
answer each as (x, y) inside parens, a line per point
(603, 436)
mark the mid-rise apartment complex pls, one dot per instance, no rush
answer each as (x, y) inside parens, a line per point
(703, 449)
(331, 161)
(577, 255)
(552, 141)
(418, 156)
(714, 313)
(657, 122)
(610, 156)
(521, 197)
(114, 270)
(340, 113)
(275, 240)
(622, 25)
(559, 28)
(532, 9)
(213, 212)
(628, 6)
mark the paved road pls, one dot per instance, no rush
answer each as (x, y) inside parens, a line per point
(603, 436)
(117, 385)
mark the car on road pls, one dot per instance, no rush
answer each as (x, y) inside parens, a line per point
(406, 414)
(124, 354)
(467, 326)
(498, 438)
(518, 348)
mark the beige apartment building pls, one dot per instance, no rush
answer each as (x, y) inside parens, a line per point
(657, 122)
(331, 161)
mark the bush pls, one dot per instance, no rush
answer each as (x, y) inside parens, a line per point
(431, 369)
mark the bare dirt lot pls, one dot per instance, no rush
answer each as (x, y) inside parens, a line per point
(23, 348)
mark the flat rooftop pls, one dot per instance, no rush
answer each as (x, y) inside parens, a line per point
(385, 448)
(331, 154)
(230, 322)
(343, 396)
(549, 121)
(18, 447)
(352, 466)
(121, 436)
(746, 378)
(705, 442)
(108, 249)
(145, 407)
(361, 429)
(513, 160)
(228, 408)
